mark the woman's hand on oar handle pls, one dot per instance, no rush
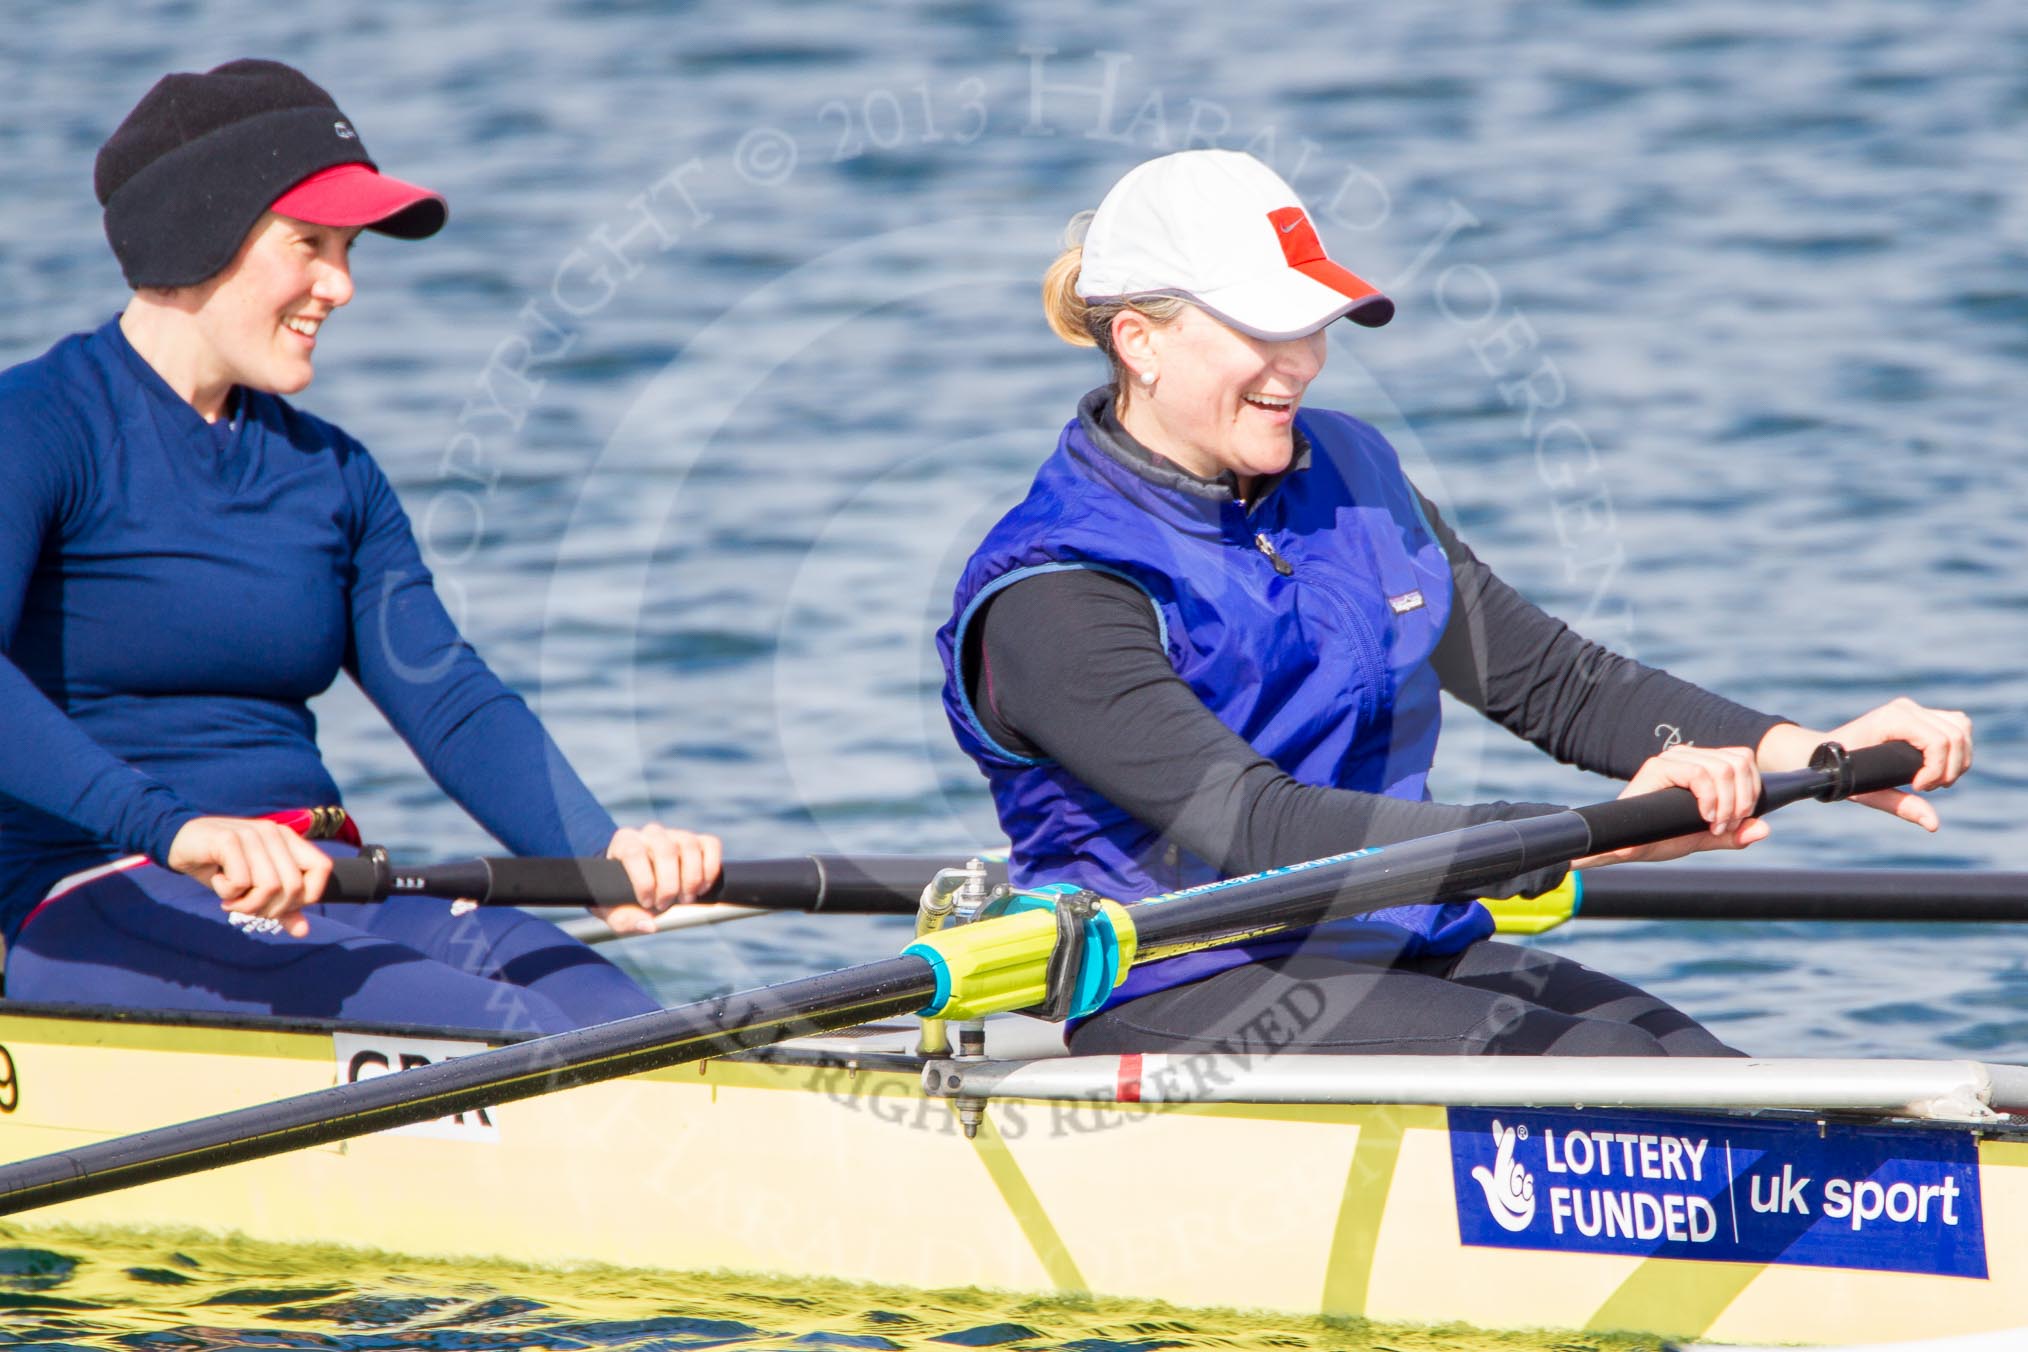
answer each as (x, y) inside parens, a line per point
(257, 868)
(1944, 736)
(667, 868)
(1726, 783)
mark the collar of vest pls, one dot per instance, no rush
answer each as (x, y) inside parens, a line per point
(1114, 455)
(1103, 429)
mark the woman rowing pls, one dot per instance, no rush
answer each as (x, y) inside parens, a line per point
(1211, 640)
(186, 559)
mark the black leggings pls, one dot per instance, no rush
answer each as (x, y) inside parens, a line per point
(1492, 999)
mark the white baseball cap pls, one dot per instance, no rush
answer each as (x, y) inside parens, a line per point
(1221, 230)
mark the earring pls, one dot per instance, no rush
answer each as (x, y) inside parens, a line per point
(1148, 379)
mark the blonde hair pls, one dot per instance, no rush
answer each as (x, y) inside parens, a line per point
(1083, 323)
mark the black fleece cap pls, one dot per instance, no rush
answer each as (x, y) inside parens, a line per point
(202, 156)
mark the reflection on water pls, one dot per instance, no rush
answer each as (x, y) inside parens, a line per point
(185, 1293)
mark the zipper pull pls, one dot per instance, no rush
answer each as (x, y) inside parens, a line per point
(1267, 547)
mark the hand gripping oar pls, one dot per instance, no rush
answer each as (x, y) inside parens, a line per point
(983, 967)
(866, 884)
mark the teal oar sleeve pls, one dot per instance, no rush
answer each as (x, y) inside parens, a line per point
(1001, 961)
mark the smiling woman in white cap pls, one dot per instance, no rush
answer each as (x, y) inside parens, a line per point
(186, 559)
(1212, 638)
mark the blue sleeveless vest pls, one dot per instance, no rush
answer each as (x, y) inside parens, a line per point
(1323, 669)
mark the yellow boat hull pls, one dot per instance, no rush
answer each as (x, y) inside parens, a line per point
(835, 1162)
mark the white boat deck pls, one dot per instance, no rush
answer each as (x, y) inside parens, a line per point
(1026, 1059)
(2002, 1340)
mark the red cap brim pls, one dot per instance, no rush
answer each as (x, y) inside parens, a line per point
(358, 194)
(1305, 253)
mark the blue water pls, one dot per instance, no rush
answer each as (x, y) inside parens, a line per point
(698, 480)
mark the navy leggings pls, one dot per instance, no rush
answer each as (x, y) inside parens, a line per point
(148, 938)
(1490, 999)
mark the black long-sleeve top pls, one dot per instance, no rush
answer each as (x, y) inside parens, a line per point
(1073, 668)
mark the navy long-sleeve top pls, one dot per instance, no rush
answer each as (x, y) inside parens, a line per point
(172, 594)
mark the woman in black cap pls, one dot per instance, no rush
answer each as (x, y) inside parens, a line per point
(186, 559)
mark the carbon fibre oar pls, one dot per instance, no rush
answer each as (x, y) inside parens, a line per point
(983, 967)
(1460, 863)
(891, 884)
(1662, 892)
(861, 884)
(1640, 892)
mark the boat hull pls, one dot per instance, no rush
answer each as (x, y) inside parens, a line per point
(830, 1159)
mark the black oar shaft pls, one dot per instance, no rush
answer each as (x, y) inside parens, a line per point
(1459, 863)
(837, 884)
(484, 1079)
(1661, 893)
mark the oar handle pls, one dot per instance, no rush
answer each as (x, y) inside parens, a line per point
(1459, 863)
(838, 884)
(371, 876)
(1834, 773)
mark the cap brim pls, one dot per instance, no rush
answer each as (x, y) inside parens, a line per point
(360, 195)
(1296, 302)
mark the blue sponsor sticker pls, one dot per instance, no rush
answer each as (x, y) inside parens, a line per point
(1719, 1190)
